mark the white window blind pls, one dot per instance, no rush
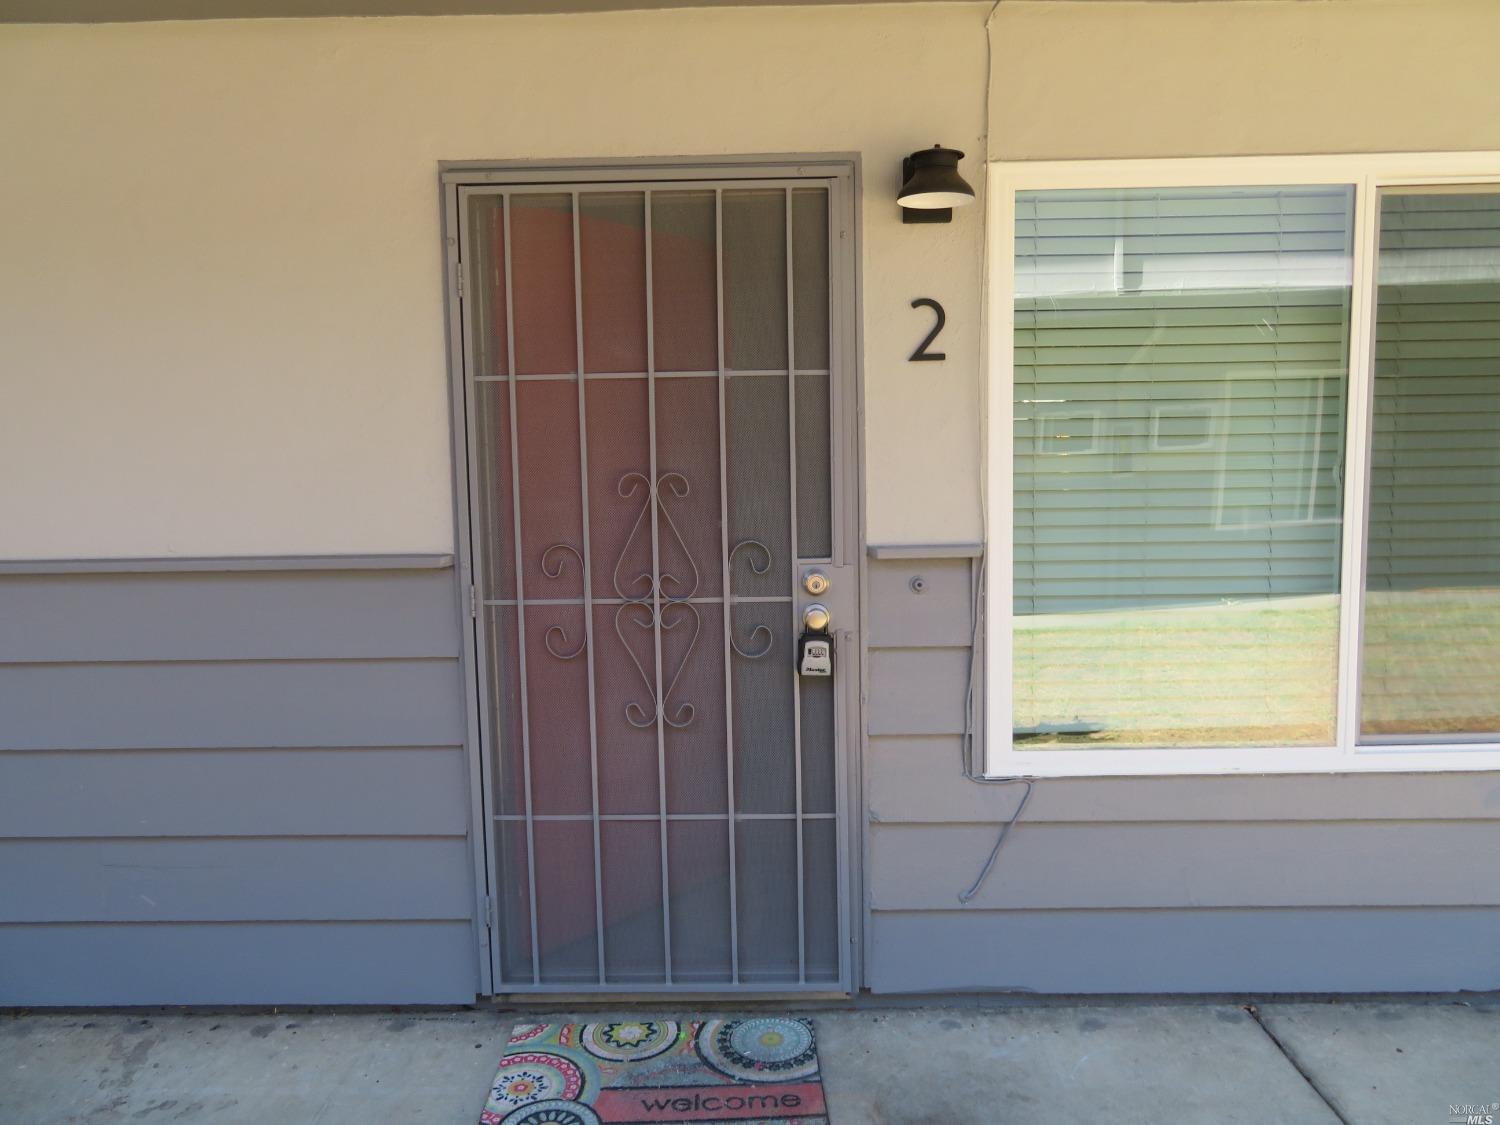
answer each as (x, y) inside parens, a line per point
(1432, 604)
(1180, 373)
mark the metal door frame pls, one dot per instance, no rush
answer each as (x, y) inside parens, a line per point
(841, 173)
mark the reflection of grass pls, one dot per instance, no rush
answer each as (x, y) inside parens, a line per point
(1252, 674)
(1207, 738)
(1255, 674)
(1432, 662)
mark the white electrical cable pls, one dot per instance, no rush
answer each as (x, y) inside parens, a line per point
(977, 577)
(967, 896)
(968, 742)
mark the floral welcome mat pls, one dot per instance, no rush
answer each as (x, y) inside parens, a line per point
(651, 1071)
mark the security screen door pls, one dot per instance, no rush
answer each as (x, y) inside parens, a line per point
(654, 402)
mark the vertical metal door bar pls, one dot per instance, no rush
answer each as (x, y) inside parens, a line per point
(656, 622)
(588, 577)
(843, 454)
(791, 429)
(475, 248)
(732, 824)
(838, 547)
(515, 493)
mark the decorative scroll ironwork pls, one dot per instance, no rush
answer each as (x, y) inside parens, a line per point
(661, 601)
(553, 561)
(555, 569)
(563, 636)
(649, 603)
(635, 714)
(757, 545)
(754, 633)
(632, 484)
(763, 568)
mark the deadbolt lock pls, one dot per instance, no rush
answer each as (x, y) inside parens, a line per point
(815, 582)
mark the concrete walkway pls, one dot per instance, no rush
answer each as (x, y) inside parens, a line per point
(1367, 1063)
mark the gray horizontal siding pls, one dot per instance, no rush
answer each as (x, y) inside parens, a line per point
(248, 616)
(917, 691)
(244, 880)
(225, 564)
(920, 779)
(237, 787)
(401, 791)
(1243, 951)
(286, 963)
(1298, 883)
(938, 614)
(129, 706)
(1099, 866)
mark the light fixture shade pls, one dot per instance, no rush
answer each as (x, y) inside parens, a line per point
(932, 180)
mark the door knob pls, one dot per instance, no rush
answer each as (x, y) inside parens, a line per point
(815, 618)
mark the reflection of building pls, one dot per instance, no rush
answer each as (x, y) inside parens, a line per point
(421, 436)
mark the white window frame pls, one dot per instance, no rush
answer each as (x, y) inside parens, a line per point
(1368, 174)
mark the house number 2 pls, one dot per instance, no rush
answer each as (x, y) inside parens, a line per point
(922, 355)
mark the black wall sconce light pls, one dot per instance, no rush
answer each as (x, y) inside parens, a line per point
(931, 186)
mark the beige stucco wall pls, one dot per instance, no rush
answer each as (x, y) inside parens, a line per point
(221, 296)
(221, 312)
(1083, 80)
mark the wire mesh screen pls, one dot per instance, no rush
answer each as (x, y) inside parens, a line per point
(755, 280)
(649, 393)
